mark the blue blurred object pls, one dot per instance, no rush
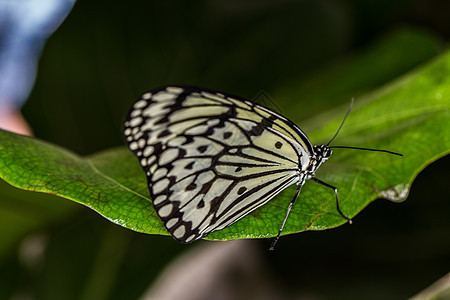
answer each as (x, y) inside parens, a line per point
(24, 27)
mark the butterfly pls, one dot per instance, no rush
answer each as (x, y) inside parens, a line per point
(212, 158)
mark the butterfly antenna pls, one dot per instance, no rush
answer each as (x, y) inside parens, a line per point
(356, 148)
(367, 149)
(346, 115)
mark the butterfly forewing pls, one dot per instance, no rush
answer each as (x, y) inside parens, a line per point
(210, 158)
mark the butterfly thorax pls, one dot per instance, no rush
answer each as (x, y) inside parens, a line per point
(321, 154)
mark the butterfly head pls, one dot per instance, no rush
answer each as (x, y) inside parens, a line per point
(321, 154)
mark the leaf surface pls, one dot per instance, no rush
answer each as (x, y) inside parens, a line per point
(411, 116)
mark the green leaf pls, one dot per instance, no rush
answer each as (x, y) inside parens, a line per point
(410, 116)
(111, 182)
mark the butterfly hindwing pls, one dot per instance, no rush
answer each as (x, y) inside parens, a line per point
(210, 158)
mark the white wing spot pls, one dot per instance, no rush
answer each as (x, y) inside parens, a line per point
(163, 96)
(147, 96)
(177, 141)
(160, 199)
(205, 177)
(138, 135)
(140, 104)
(190, 238)
(200, 129)
(168, 156)
(148, 151)
(135, 121)
(141, 143)
(150, 161)
(133, 146)
(172, 222)
(165, 210)
(153, 168)
(179, 232)
(213, 122)
(174, 90)
(161, 172)
(159, 186)
(135, 113)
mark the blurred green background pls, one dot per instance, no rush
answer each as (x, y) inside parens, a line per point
(320, 53)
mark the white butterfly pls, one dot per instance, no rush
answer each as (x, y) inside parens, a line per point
(212, 158)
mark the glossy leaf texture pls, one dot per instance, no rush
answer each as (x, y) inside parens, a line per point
(410, 115)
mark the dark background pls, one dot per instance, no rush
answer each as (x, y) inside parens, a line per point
(107, 53)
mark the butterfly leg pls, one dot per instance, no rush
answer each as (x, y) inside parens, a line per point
(275, 240)
(336, 194)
